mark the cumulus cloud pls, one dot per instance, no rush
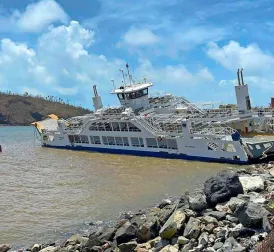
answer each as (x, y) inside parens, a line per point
(250, 57)
(140, 37)
(36, 17)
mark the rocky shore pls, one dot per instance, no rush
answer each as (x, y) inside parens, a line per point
(232, 212)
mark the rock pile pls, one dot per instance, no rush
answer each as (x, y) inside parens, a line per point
(227, 214)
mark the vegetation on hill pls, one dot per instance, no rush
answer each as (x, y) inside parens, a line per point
(24, 109)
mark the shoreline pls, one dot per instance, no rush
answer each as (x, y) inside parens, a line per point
(227, 214)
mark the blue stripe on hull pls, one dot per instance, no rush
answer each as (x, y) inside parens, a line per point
(148, 154)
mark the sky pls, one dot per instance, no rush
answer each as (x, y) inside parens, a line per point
(189, 48)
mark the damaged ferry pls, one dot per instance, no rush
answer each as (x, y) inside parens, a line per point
(166, 126)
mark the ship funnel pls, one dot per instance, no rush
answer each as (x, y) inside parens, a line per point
(242, 77)
(97, 101)
(238, 75)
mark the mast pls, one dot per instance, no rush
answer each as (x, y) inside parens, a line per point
(123, 77)
(129, 75)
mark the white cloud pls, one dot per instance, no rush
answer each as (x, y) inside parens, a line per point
(251, 58)
(174, 76)
(36, 17)
(140, 37)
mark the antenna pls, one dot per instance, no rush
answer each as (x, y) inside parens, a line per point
(123, 76)
(113, 84)
(129, 76)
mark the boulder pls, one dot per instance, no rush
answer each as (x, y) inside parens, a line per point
(197, 200)
(252, 184)
(77, 239)
(100, 237)
(182, 240)
(222, 187)
(271, 171)
(5, 247)
(161, 244)
(218, 245)
(208, 219)
(192, 229)
(125, 233)
(203, 239)
(232, 218)
(148, 230)
(36, 248)
(127, 247)
(208, 228)
(234, 203)
(49, 249)
(165, 213)
(216, 214)
(164, 203)
(232, 245)
(169, 248)
(173, 224)
(251, 215)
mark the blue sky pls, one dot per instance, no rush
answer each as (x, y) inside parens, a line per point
(189, 48)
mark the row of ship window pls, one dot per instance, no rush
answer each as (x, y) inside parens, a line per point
(124, 141)
(113, 126)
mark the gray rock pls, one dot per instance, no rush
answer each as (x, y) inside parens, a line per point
(173, 224)
(234, 203)
(49, 249)
(208, 219)
(217, 214)
(232, 218)
(203, 239)
(100, 237)
(5, 247)
(251, 215)
(36, 248)
(170, 248)
(222, 233)
(222, 187)
(164, 203)
(148, 230)
(208, 228)
(218, 245)
(182, 240)
(161, 244)
(165, 213)
(252, 184)
(128, 247)
(232, 245)
(125, 233)
(77, 239)
(192, 229)
(95, 249)
(197, 200)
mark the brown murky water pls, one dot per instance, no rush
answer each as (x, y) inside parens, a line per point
(46, 192)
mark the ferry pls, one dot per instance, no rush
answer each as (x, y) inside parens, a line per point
(166, 126)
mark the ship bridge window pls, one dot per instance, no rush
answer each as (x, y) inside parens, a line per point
(121, 96)
(101, 126)
(137, 94)
(105, 140)
(151, 142)
(212, 146)
(132, 127)
(258, 147)
(108, 127)
(267, 145)
(84, 139)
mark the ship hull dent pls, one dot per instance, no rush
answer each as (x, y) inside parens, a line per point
(150, 154)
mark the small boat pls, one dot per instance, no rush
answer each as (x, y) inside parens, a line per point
(166, 126)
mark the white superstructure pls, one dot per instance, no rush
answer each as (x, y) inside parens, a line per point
(163, 126)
